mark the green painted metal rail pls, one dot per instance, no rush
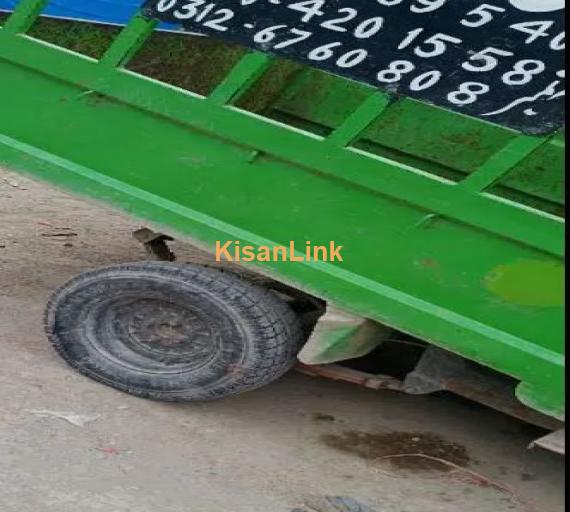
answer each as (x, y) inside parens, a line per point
(469, 259)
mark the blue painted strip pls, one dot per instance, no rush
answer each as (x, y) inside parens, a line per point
(114, 12)
(103, 11)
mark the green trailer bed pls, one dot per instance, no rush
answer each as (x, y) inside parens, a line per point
(451, 227)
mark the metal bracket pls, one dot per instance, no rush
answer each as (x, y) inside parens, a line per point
(155, 244)
(440, 370)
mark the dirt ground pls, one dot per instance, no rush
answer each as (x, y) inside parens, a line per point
(69, 444)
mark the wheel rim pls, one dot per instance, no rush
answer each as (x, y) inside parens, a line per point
(145, 333)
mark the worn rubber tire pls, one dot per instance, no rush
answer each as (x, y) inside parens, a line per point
(172, 332)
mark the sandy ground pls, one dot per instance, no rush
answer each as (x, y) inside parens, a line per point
(261, 452)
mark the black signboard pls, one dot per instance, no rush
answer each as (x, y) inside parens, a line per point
(500, 60)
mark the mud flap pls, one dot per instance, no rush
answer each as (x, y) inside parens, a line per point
(554, 442)
(340, 335)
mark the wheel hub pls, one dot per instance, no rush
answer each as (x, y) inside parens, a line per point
(168, 328)
(149, 330)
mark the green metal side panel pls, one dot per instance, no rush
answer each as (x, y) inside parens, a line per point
(432, 245)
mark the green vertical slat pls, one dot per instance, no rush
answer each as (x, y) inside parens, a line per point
(360, 119)
(128, 42)
(240, 78)
(24, 16)
(502, 162)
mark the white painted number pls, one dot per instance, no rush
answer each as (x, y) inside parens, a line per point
(352, 58)
(535, 29)
(419, 7)
(487, 60)
(310, 8)
(481, 15)
(347, 60)
(437, 42)
(426, 80)
(337, 24)
(395, 71)
(323, 52)
(369, 28)
(468, 93)
(389, 3)
(267, 35)
(270, 33)
(223, 16)
(188, 10)
(559, 42)
(427, 6)
(300, 35)
(165, 5)
(489, 21)
(524, 71)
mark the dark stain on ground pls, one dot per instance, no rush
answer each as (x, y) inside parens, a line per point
(415, 451)
(325, 418)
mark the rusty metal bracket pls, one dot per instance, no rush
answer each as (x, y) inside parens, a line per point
(155, 244)
(341, 373)
(440, 370)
